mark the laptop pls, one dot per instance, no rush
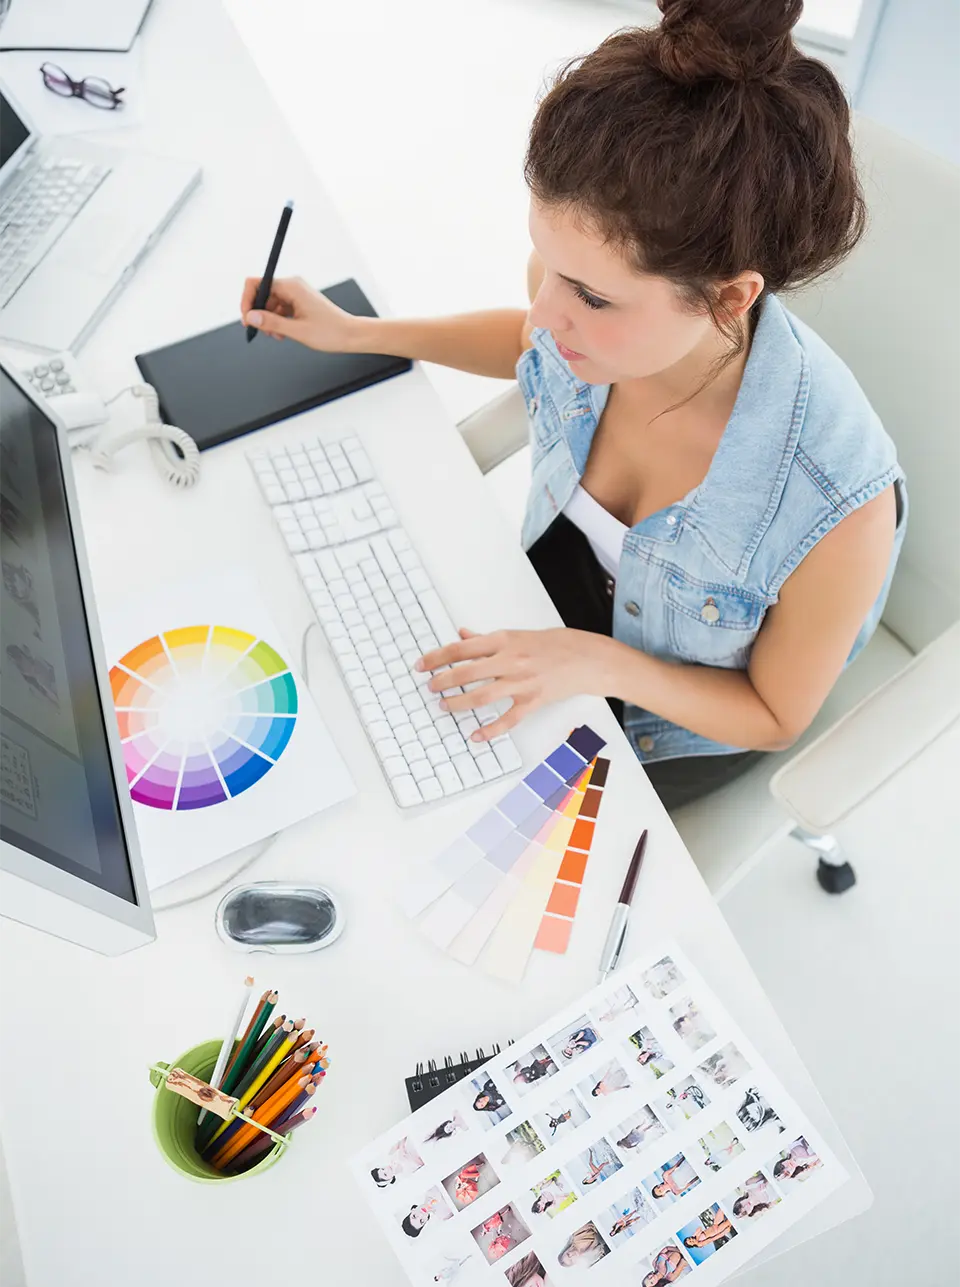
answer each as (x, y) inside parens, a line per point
(75, 221)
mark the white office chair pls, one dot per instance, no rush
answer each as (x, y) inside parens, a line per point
(891, 314)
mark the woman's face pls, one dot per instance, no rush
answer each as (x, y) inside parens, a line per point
(419, 1217)
(481, 1101)
(642, 326)
(569, 1256)
(659, 1190)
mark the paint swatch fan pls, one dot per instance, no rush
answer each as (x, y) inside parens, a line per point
(222, 744)
(512, 882)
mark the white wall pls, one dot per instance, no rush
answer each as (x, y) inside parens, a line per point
(910, 83)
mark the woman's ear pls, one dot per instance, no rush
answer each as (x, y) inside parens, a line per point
(737, 297)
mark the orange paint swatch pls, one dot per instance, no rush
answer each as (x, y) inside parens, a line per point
(555, 928)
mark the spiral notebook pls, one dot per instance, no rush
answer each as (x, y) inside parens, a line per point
(432, 1080)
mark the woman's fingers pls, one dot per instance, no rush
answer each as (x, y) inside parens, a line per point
(466, 673)
(485, 696)
(466, 650)
(504, 724)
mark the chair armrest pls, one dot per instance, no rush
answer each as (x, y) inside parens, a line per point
(851, 761)
(497, 430)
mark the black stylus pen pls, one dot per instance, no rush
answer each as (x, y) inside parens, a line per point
(266, 281)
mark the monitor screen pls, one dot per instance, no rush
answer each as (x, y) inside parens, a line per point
(13, 132)
(57, 786)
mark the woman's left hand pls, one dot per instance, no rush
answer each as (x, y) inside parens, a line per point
(530, 666)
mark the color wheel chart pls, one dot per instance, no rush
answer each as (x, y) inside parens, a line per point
(204, 713)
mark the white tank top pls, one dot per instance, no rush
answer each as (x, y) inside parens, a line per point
(604, 532)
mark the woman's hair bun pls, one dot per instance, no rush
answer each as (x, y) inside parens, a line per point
(737, 40)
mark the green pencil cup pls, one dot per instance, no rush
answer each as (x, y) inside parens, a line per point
(175, 1120)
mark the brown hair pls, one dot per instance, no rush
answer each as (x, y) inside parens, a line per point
(703, 148)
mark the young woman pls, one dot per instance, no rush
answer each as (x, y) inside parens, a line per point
(584, 1246)
(596, 1169)
(445, 1130)
(798, 1163)
(668, 1266)
(414, 1222)
(534, 1070)
(640, 1213)
(528, 1272)
(580, 1041)
(756, 1197)
(451, 1270)
(612, 1079)
(677, 1180)
(489, 1100)
(715, 508)
(719, 1231)
(467, 1185)
(402, 1159)
(556, 1122)
(639, 1131)
(550, 1198)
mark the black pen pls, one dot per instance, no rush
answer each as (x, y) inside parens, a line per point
(266, 281)
(618, 926)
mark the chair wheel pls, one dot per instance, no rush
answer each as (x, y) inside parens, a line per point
(835, 879)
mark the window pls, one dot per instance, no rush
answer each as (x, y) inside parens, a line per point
(841, 33)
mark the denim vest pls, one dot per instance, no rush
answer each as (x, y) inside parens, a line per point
(802, 449)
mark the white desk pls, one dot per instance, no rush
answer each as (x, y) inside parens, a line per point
(94, 1202)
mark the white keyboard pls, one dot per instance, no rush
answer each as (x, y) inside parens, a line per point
(37, 213)
(380, 612)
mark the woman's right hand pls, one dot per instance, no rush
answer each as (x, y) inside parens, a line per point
(296, 311)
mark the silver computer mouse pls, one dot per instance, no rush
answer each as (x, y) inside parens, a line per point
(274, 916)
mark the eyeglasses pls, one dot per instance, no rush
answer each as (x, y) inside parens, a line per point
(91, 89)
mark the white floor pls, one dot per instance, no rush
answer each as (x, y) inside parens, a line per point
(416, 121)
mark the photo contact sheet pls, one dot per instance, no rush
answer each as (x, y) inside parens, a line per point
(634, 1138)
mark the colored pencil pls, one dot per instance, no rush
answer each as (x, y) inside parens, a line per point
(265, 1036)
(243, 1090)
(264, 1115)
(301, 1101)
(289, 1068)
(226, 1049)
(253, 1152)
(245, 1053)
(298, 1119)
(254, 1020)
(266, 1069)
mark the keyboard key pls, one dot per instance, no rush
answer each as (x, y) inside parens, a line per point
(396, 766)
(449, 779)
(468, 772)
(508, 757)
(431, 789)
(488, 766)
(421, 770)
(406, 791)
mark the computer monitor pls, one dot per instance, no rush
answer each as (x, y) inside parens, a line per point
(69, 860)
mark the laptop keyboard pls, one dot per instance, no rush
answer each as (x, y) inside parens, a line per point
(37, 213)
